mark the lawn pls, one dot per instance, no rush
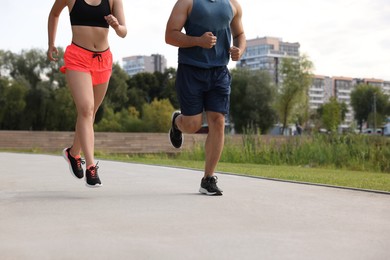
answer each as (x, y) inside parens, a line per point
(335, 177)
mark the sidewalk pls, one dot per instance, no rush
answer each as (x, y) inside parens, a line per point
(151, 212)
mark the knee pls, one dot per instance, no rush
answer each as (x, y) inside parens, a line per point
(86, 111)
(190, 126)
(217, 124)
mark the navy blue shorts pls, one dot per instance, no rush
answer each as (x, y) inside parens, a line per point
(201, 89)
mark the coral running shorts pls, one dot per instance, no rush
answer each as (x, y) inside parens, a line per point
(98, 64)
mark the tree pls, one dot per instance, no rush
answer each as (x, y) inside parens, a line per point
(331, 115)
(62, 112)
(29, 64)
(156, 115)
(53, 73)
(12, 110)
(168, 88)
(147, 88)
(117, 90)
(296, 80)
(37, 111)
(252, 96)
(363, 99)
(126, 120)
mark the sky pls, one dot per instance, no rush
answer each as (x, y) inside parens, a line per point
(349, 38)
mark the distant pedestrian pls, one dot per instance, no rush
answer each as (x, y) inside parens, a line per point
(88, 67)
(203, 79)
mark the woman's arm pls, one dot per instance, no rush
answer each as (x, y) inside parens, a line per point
(54, 15)
(117, 20)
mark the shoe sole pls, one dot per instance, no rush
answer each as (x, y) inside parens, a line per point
(70, 166)
(169, 132)
(93, 186)
(182, 140)
(204, 191)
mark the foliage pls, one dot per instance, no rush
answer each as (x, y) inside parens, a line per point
(126, 120)
(351, 151)
(331, 115)
(156, 116)
(292, 94)
(362, 102)
(13, 104)
(251, 100)
(34, 96)
(117, 89)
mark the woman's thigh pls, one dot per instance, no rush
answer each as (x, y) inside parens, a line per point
(80, 85)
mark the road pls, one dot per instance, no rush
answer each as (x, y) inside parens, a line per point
(154, 212)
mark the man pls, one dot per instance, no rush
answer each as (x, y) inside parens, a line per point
(203, 79)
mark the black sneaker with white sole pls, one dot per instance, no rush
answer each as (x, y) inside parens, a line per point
(175, 135)
(92, 177)
(209, 186)
(74, 164)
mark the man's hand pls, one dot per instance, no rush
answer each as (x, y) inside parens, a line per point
(235, 53)
(208, 40)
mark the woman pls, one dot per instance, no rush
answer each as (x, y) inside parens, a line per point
(88, 66)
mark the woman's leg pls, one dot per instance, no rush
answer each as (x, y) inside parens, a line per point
(80, 84)
(99, 92)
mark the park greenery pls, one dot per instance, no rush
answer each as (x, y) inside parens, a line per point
(34, 96)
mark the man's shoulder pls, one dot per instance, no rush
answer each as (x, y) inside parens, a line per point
(185, 3)
(236, 6)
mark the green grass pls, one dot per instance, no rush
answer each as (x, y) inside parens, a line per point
(337, 177)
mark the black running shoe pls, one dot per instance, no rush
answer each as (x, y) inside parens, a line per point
(209, 186)
(92, 177)
(74, 164)
(175, 135)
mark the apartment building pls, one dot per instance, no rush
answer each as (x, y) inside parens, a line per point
(320, 91)
(342, 89)
(266, 54)
(136, 64)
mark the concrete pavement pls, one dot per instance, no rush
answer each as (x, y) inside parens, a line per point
(152, 212)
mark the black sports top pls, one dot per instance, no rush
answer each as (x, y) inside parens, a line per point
(85, 14)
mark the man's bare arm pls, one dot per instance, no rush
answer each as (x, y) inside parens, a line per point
(239, 38)
(174, 35)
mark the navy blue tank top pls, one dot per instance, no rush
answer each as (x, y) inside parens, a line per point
(85, 14)
(208, 16)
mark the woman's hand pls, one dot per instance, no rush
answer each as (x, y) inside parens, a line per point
(51, 53)
(114, 23)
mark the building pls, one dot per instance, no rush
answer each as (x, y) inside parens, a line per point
(342, 89)
(266, 54)
(136, 64)
(320, 91)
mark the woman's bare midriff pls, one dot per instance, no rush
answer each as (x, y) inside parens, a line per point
(91, 38)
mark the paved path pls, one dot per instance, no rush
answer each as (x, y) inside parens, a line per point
(150, 212)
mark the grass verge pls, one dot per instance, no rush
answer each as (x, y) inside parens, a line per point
(368, 180)
(336, 177)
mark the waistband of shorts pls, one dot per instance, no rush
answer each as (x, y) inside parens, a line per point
(87, 51)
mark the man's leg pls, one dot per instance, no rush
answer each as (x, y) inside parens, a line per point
(214, 142)
(213, 147)
(189, 124)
